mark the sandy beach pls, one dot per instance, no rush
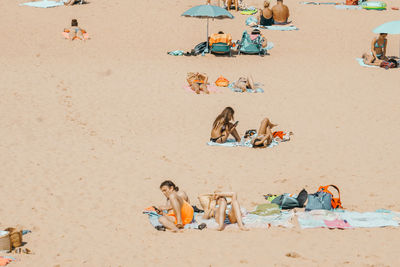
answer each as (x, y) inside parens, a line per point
(90, 129)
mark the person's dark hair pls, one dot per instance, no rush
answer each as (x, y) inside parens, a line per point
(220, 32)
(382, 33)
(225, 115)
(256, 31)
(74, 23)
(169, 184)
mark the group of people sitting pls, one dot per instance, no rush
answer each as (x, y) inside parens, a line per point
(223, 127)
(177, 211)
(278, 15)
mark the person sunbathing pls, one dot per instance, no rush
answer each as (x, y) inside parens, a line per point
(222, 127)
(230, 2)
(224, 212)
(245, 83)
(265, 18)
(179, 210)
(264, 136)
(378, 51)
(280, 13)
(75, 32)
(198, 82)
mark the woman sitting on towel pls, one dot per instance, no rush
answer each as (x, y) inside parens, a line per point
(75, 32)
(265, 18)
(378, 51)
(257, 33)
(179, 210)
(198, 82)
(264, 136)
(223, 127)
(217, 206)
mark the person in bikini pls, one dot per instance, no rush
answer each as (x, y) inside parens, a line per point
(264, 136)
(245, 83)
(75, 32)
(224, 212)
(280, 13)
(179, 210)
(223, 127)
(378, 51)
(265, 18)
(198, 82)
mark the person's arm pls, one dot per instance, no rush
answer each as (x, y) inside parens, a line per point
(373, 47)
(384, 49)
(205, 79)
(224, 194)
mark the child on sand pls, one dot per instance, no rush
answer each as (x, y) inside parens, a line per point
(179, 210)
(75, 32)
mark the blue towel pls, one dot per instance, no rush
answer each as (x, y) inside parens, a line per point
(279, 28)
(242, 143)
(237, 90)
(176, 53)
(43, 4)
(348, 7)
(361, 62)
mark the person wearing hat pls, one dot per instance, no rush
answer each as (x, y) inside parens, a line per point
(256, 33)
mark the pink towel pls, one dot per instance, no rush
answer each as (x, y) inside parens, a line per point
(66, 35)
(340, 224)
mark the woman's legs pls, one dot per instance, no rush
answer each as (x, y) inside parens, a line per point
(220, 213)
(235, 215)
(371, 60)
(176, 203)
(203, 88)
(169, 223)
(265, 123)
(228, 132)
(250, 82)
(195, 87)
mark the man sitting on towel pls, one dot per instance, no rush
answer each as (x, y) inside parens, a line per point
(280, 12)
(220, 37)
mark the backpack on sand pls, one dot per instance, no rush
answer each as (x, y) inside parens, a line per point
(286, 201)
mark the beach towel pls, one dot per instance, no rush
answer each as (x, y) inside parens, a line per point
(154, 216)
(279, 28)
(266, 209)
(249, 11)
(347, 219)
(254, 221)
(211, 89)
(361, 62)
(43, 4)
(279, 136)
(349, 7)
(319, 3)
(66, 36)
(238, 90)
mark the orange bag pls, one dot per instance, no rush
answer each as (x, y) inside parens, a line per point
(352, 2)
(336, 203)
(222, 82)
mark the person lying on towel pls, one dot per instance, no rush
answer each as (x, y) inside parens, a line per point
(198, 82)
(75, 32)
(280, 13)
(264, 135)
(244, 83)
(224, 207)
(179, 212)
(223, 127)
(378, 51)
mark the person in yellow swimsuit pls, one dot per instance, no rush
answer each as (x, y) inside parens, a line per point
(180, 212)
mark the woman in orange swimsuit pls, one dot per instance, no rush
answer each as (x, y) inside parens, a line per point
(179, 210)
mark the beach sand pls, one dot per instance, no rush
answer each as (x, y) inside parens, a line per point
(90, 129)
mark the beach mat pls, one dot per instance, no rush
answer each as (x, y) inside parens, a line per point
(237, 90)
(211, 88)
(43, 4)
(361, 62)
(348, 7)
(280, 137)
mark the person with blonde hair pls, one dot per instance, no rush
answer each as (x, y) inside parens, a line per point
(266, 16)
(217, 206)
(198, 82)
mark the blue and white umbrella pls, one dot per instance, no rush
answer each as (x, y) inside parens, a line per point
(392, 27)
(208, 11)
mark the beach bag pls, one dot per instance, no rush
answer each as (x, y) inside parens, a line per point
(222, 82)
(251, 21)
(391, 63)
(200, 48)
(286, 201)
(323, 199)
(352, 2)
(15, 237)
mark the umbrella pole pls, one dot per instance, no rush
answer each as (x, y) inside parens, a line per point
(207, 38)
